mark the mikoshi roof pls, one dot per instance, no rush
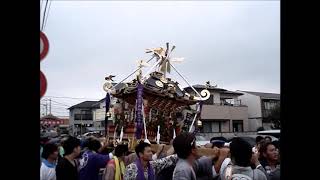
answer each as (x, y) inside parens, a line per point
(160, 92)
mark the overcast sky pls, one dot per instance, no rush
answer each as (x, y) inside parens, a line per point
(234, 44)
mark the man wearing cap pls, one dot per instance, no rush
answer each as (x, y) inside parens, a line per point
(189, 167)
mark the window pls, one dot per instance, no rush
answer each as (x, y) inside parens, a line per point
(211, 126)
(270, 104)
(83, 117)
(86, 112)
(237, 125)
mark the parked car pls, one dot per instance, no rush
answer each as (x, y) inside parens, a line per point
(201, 141)
(251, 139)
(49, 134)
(91, 134)
(274, 133)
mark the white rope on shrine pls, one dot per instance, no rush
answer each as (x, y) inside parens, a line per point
(158, 135)
(186, 81)
(194, 119)
(144, 125)
(144, 77)
(121, 134)
(130, 74)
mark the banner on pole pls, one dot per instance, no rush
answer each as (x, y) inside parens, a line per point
(139, 120)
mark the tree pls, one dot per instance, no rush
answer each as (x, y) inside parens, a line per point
(275, 117)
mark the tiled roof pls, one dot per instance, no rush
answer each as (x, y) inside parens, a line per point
(85, 104)
(198, 86)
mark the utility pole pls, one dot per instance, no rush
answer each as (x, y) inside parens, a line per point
(80, 122)
(50, 106)
(46, 108)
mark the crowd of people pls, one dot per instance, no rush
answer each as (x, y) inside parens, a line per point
(91, 159)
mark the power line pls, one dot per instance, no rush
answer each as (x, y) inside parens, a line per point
(60, 108)
(71, 97)
(55, 105)
(55, 111)
(60, 103)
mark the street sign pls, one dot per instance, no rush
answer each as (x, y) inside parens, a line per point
(44, 45)
(43, 84)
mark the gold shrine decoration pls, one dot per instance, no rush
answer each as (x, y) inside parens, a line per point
(163, 56)
(205, 94)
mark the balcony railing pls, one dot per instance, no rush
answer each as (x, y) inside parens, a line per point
(236, 103)
(83, 117)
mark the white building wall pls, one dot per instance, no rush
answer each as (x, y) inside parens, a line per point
(254, 104)
(254, 110)
(224, 112)
(99, 114)
(216, 97)
(254, 124)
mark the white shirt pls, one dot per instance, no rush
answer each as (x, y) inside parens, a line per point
(47, 171)
(224, 165)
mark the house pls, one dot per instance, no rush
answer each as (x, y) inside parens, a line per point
(223, 114)
(99, 113)
(65, 125)
(259, 105)
(91, 116)
(81, 117)
(58, 124)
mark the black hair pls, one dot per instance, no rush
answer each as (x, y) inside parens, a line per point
(140, 147)
(241, 152)
(276, 143)
(43, 140)
(121, 150)
(259, 139)
(268, 137)
(94, 144)
(69, 144)
(49, 149)
(183, 144)
(263, 149)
